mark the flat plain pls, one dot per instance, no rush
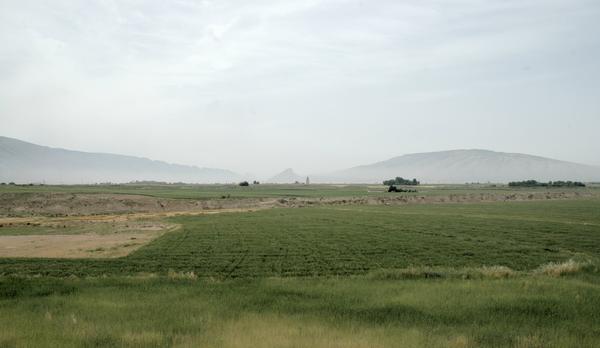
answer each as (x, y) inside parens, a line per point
(306, 266)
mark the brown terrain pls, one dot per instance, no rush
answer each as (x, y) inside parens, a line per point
(73, 204)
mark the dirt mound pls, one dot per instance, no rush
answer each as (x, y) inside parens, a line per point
(69, 204)
(395, 199)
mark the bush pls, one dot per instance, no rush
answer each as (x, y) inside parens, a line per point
(393, 188)
(244, 183)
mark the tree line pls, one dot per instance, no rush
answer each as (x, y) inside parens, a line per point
(401, 181)
(534, 183)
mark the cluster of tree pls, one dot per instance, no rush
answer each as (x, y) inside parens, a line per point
(534, 183)
(393, 188)
(401, 181)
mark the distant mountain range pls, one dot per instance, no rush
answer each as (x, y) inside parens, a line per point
(288, 176)
(23, 162)
(461, 166)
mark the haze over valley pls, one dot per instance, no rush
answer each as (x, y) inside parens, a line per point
(23, 162)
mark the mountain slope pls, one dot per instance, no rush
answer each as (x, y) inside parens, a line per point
(460, 166)
(24, 162)
(288, 176)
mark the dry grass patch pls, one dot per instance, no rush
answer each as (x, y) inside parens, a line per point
(557, 269)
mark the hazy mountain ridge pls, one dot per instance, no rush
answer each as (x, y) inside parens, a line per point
(460, 166)
(288, 176)
(24, 162)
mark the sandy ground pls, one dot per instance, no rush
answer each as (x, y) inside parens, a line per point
(74, 246)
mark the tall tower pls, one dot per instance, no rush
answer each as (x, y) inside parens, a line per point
(307, 180)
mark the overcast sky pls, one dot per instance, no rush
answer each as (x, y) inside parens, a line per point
(259, 86)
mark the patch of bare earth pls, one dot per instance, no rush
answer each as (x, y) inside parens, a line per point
(85, 245)
(73, 204)
(399, 199)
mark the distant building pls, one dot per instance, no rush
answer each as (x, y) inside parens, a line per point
(307, 181)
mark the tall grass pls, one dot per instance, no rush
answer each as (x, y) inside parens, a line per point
(521, 311)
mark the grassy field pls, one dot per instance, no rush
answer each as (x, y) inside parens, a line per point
(496, 274)
(286, 312)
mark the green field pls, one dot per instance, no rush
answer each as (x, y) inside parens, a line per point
(354, 240)
(494, 274)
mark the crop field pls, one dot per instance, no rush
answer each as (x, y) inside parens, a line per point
(354, 240)
(460, 274)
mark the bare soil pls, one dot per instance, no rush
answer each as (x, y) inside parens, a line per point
(399, 199)
(89, 245)
(67, 204)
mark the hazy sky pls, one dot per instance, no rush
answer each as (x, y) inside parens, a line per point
(258, 86)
